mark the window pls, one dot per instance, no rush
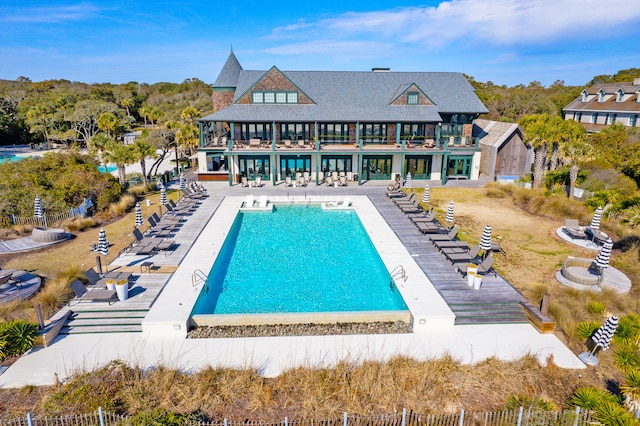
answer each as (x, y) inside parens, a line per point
(601, 96)
(255, 131)
(594, 117)
(412, 98)
(334, 132)
(585, 96)
(412, 131)
(374, 132)
(619, 96)
(611, 118)
(275, 97)
(295, 131)
(258, 97)
(633, 119)
(577, 116)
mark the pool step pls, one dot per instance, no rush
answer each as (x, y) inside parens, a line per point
(106, 321)
(507, 313)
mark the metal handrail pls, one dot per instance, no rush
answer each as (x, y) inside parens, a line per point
(398, 273)
(197, 277)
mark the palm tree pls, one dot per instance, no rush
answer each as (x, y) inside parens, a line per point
(96, 146)
(107, 122)
(127, 103)
(189, 113)
(145, 112)
(574, 150)
(121, 155)
(141, 151)
(541, 131)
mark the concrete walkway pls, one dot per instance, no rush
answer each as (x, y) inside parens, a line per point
(272, 355)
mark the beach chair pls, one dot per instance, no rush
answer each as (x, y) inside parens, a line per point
(248, 202)
(263, 201)
(483, 268)
(450, 236)
(431, 227)
(467, 257)
(84, 295)
(573, 229)
(404, 199)
(440, 245)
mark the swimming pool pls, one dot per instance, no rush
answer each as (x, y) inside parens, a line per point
(9, 158)
(295, 259)
(110, 169)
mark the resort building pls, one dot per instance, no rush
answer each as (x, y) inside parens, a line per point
(281, 125)
(605, 104)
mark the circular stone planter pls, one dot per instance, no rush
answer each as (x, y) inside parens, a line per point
(580, 271)
(48, 235)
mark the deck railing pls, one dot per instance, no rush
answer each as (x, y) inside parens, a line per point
(520, 417)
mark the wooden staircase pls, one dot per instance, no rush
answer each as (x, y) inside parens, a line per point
(107, 321)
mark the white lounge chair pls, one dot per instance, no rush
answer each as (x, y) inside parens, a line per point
(248, 203)
(263, 201)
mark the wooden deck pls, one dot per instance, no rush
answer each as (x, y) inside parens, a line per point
(495, 302)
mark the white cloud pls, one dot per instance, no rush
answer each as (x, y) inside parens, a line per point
(51, 15)
(330, 47)
(491, 22)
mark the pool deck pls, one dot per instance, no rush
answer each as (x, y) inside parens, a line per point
(271, 355)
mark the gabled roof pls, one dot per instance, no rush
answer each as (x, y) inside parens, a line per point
(494, 133)
(408, 87)
(229, 73)
(610, 104)
(357, 95)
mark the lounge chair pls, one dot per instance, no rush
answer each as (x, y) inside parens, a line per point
(258, 182)
(248, 203)
(573, 229)
(483, 268)
(430, 227)
(343, 181)
(451, 244)
(328, 181)
(468, 256)
(84, 295)
(287, 143)
(444, 237)
(245, 182)
(405, 199)
(263, 201)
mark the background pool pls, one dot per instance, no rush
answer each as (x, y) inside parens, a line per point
(297, 259)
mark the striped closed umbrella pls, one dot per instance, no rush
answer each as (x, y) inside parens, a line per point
(37, 208)
(597, 215)
(449, 217)
(183, 182)
(138, 215)
(103, 245)
(485, 241)
(163, 196)
(407, 182)
(602, 337)
(426, 198)
(602, 260)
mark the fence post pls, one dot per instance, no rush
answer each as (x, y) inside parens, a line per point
(520, 416)
(404, 416)
(461, 417)
(13, 217)
(101, 416)
(344, 423)
(226, 422)
(577, 420)
(286, 421)
(29, 420)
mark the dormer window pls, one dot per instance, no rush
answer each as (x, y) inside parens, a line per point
(619, 95)
(585, 96)
(413, 98)
(601, 96)
(274, 97)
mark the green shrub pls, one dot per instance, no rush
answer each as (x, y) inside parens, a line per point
(589, 398)
(162, 417)
(585, 329)
(628, 327)
(16, 337)
(612, 413)
(595, 307)
(626, 356)
(529, 402)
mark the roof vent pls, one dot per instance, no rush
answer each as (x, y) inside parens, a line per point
(380, 69)
(636, 81)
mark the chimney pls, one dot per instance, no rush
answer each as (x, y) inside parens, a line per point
(636, 81)
(380, 69)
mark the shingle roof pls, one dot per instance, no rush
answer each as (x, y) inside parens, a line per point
(355, 95)
(493, 133)
(228, 76)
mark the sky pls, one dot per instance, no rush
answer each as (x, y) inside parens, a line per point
(507, 42)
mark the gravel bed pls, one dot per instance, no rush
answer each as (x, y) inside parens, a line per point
(398, 327)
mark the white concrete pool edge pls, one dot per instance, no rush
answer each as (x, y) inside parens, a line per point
(171, 311)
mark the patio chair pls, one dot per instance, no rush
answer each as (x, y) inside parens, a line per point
(430, 227)
(258, 182)
(288, 181)
(483, 268)
(328, 181)
(404, 199)
(440, 245)
(245, 182)
(263, 201)
(287, 143)
(450, 236)
(248, 202)
(84, 295)
(468, 256)
(573, 229)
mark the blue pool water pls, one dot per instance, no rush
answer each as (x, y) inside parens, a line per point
(298, 259)
(109, 169)
(9, 158)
